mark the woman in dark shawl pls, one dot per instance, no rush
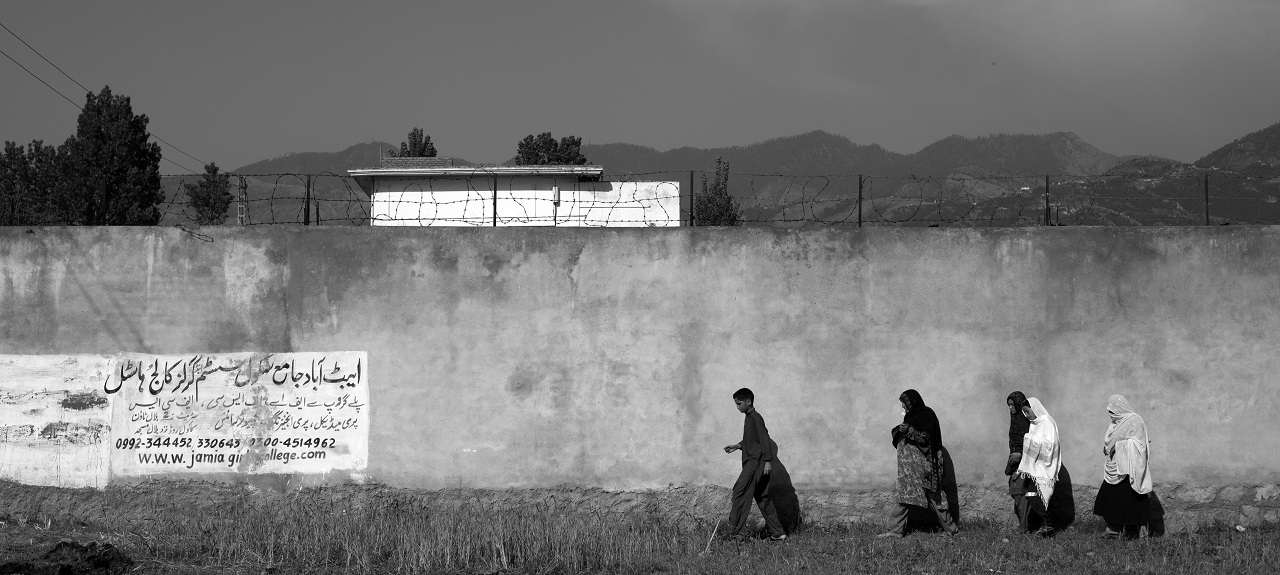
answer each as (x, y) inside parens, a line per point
(918, 440)
(1018, 486)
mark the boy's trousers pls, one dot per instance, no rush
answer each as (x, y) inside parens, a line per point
(753, 484)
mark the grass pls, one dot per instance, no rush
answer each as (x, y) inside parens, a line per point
(313, 531)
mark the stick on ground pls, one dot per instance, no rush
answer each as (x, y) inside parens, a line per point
(712, 538)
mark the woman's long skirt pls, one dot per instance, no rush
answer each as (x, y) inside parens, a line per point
(1119, 504)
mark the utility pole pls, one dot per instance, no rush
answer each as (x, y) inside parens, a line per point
(242, 202)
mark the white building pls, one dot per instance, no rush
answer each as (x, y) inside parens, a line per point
(434, 192)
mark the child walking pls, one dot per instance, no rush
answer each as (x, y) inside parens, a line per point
(757, 461)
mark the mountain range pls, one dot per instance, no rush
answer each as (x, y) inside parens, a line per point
(812, 178)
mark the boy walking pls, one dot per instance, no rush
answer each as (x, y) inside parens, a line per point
(757, 461)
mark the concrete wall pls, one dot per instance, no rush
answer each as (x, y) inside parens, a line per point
(534, 357)
(523, 201)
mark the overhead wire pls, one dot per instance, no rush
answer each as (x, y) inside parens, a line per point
(41, 80)
(81, 108)
(88, 91)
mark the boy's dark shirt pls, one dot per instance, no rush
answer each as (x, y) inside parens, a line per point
(756, 443)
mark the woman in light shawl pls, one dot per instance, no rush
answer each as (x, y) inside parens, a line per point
(1126, 477)
(1041, 466)
(921, 466)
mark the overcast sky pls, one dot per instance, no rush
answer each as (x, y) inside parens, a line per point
(234, 82)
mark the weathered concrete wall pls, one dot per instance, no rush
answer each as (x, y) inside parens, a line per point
(534, 357)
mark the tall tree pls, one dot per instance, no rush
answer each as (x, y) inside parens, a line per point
(715, 206)
(210, 198)
(110, 168)
(543, 150)
(418, 146)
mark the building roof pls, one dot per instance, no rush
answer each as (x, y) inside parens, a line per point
(414, 162)
(557, 170)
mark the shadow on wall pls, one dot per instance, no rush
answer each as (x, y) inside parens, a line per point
(785, 500)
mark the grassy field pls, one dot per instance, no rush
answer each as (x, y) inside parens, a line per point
(304, 535)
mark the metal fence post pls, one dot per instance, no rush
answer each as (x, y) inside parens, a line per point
(1046, 200)
(859, 200)
(306, 212)
(693, 202)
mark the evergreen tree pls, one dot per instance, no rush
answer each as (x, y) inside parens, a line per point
(110, 169)
(27, 178)
(210, 197)
(418, 146)
(543, 150)
(715, 206)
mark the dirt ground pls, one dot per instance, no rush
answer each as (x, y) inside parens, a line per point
(36, 550)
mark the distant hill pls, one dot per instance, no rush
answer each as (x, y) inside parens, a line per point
(1256, 153)
(363, 155)
(816, 152)
(1148, 165)
(820, 153)
(1057, 153)
(812, 179)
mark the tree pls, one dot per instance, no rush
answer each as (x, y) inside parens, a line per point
(107, 173)
(109, 167)
(28, 177)
(210, 197)
(544, 150)
(418, 146)
(715, 206)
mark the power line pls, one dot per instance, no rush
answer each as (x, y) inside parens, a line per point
(73, 103)
(33, 75)
(81, 108)
(55, 66)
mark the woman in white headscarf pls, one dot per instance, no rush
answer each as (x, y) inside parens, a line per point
(1126, 477)
(1041, 464)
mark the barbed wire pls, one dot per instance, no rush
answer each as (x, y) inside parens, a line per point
(769, 199)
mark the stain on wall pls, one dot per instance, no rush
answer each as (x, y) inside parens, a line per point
(83, 401)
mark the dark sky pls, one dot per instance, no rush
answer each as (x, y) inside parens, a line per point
(234, 82)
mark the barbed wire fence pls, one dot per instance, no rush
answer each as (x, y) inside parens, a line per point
(323, 198)
(1009, 200)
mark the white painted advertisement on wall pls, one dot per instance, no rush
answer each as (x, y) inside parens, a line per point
(239, 413)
